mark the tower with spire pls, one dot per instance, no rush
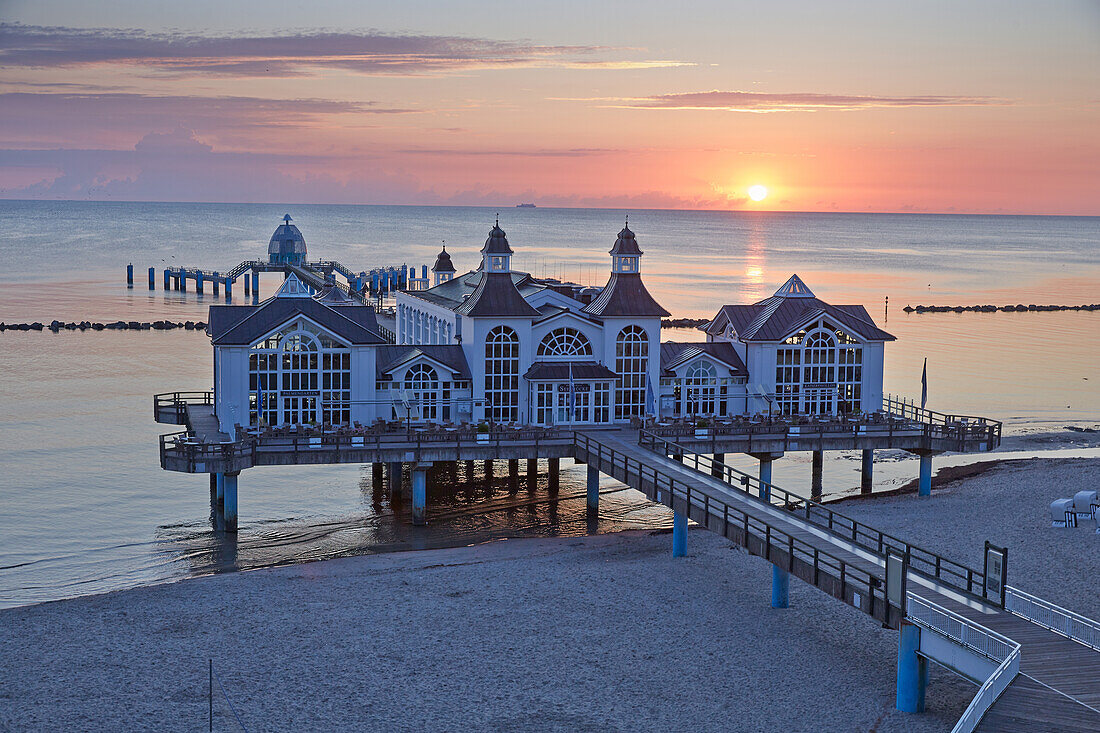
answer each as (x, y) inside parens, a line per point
(443, 269)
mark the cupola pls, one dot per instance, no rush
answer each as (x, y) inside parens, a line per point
(287, 245)
(625, 254)
(496, 255)
(443, 268)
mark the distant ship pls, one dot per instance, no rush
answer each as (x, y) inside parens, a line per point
(525, 206)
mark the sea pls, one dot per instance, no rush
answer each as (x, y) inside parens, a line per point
(85, 507)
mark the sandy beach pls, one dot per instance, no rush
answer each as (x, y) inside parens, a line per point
(595, 633)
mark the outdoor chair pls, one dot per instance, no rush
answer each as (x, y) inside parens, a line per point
(1062, 514)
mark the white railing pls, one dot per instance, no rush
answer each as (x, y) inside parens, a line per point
(977, 638)
(1059, 620)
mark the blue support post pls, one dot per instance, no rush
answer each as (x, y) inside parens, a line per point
(152, 278)
(198, 281)
(219, 488)
(924, 485)
(228, 287)
(419, 496)
(255, 284)
(781, 587)
(217, 283)
(912, 670)
(593, 499)
(182, 281)
(167, 279)
(247, 284)
(679, 534)
(130, 275)
(229, 502)
(765, 478)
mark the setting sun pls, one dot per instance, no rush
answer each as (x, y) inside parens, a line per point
(758, 192)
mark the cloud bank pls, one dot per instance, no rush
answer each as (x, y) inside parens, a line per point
(738, 101)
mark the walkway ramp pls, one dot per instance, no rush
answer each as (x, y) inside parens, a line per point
(1056, 686)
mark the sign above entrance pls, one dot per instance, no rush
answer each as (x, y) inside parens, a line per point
(576, 387)
(301, 393)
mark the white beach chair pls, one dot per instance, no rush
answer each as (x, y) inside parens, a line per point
(1085, 504)
(1062, 514)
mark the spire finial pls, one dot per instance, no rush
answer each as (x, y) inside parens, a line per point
(286, 219)
(498, 219)
(444, 245)
(627, 224)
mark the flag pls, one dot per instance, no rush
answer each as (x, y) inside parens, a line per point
(924, 385)
(650, 400)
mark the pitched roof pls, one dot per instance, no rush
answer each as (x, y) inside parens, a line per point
(625, 295)
(675, 353)
(773, 319)
(241, 325)
(558, 370)
(626, 244)
(443, 262)
(391, 356)
(497, 243)
(496, 295)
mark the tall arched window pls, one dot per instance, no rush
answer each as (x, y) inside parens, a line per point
(422, 386)
(565, 342)
(632, 366)
(502, 375)
(701, 386)
(299, 375)
(819, 373)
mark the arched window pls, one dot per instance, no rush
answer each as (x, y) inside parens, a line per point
(632, 366)
(819, 373)
(701, 385)
(502, 375)
(565, 342)
(422, 386)
(298, 376)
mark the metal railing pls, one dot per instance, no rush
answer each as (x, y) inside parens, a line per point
(921, 561)
(759, 536)
(960, 427)
(977, 638)
(174, 404)
(1059, 620)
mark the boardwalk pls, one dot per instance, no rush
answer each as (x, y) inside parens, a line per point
(1058, 687)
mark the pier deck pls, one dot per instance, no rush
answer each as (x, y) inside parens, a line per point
(1058, 686)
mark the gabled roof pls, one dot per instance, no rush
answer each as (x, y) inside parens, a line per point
(625, 295)
(559, 370)
(777, 317)
(242, 325)
(550, 312)
(794, 288)
(392, 356)
(496, 295)
(675, 353)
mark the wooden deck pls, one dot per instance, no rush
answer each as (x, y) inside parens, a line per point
(1058, 688)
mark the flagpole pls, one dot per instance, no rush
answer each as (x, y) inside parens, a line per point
(924, 385)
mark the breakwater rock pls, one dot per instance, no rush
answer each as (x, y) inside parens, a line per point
(1020, 308)
(58, 326)
(684, 322)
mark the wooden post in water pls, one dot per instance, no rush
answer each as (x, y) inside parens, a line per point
(818, 465)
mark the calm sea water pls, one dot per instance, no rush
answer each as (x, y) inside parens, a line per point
(85, 507)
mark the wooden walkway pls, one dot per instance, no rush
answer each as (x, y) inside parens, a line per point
(1058, 688)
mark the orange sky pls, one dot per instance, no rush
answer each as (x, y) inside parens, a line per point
(989, 107)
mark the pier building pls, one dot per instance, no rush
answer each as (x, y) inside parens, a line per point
(288, 246)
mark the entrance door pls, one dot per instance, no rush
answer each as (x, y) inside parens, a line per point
(582, 403)
(299, 410)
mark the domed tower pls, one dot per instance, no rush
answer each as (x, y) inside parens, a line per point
(496, 295)
(443, 268)
(624, 294)
(288, 246)
(496, 253)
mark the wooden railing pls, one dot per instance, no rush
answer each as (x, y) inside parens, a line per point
(175, 404)
(760, 537)
(958, 427)
(921, 561)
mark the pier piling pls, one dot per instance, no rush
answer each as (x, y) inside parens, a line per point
(219, 488)
(912, 670)
(781, 585)
(532, 473)
(420, 494)
(216, 283)
(198, 282)
(513, 474)
(255, 284)
(247, 285)
(228, 288)
(395, 479)
(818, 465)
(375, 470)
(152, 278)
(924, 484)
(866, 481)
(130, 275)
(167, 279)
(593, 492)
(229, 501)
(679, 534)
(553, 471)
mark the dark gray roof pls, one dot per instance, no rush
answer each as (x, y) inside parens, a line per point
(240, 325)
(675, 353)
(625, 295)
(392, 355)
(773, 319)
(497, 243)
(435, 298)
(550, 311)
(443, 262)
(333, 295)
(496, 295)
(287, 239)
(557, 370)
(626, 244)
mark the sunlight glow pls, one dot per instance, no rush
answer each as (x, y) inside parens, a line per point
(758, 192)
